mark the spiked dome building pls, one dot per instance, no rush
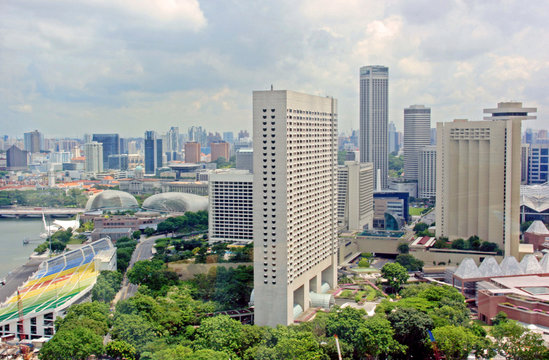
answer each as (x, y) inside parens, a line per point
(58, 283)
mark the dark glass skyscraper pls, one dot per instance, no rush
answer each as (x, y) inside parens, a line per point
(153, 152)
(111, 146)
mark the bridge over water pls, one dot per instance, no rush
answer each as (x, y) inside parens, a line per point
(36, 212)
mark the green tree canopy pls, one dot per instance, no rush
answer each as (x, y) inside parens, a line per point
(76, 343)
(409, 262)
(395, 274)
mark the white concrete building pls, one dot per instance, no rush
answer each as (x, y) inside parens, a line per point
(427, 175)
(295, 202)
(94, 157)
(230, 206)
(355, 195)
(417, 134)
(478, 177)
(374, 115)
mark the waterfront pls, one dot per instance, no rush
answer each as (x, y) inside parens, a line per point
(12, 233)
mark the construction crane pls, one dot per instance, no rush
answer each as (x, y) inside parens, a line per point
(20, 324)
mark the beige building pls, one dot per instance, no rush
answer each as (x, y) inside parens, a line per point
(192, 152)
(94, 157)
(478, 177)
(294, 202)
(355, 195)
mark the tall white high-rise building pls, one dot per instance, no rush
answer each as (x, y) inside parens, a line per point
(355, 195)
(417, 134)
(295, 196)
(427, 177)
(478, 177)
(94, 157)
(374, 115)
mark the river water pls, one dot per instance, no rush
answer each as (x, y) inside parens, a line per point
(12, 233)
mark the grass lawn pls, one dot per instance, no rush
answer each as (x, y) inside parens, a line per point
(365, 270)
(414, 211)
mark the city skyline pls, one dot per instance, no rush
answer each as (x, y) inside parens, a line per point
(121, 66)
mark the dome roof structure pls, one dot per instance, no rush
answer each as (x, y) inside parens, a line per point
(175, 202)
(112, 200)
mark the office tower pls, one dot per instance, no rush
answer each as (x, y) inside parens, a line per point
(478, 177)
(524, 166)
(219, 149)
(60, 157)
(124, 145)
(433, 136)
(392, 134)
(111, 146)
(120, 160)
(192, 152)
(230, 207)
(245, 159)
(153, 152)
(197, 134)
(33, 141)
(16, 159)
(355, 199)
(374, 86)
(538, 161)
(295, 202)
(427, 175)
(171, 144)
(160, 158)
(417, 134)
(228, 136)
(528, 136)
(94, 157)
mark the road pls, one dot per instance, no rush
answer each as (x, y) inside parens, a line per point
(18, 276)
(143, 251)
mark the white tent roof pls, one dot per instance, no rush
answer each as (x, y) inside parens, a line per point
(510, 266)
(537, 227)
(468, 269)
(530, 265)
(489, 267)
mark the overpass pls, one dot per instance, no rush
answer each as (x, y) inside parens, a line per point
(36, 212)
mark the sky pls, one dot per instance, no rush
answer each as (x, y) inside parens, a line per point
(69, 67)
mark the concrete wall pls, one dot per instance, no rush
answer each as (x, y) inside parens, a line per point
(455, 257)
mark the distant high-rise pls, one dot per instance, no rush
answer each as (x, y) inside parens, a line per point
(392, 135)
(417, 134)
(219, 149)
(94, 157)
(427, 174)
(192, 152)
(245, 159)
(355, 199)
(228, 136)
(538, 162)
(33, 141)
(153, 152)
(478, 177)
(374, 112)
(294, 203)
(111, 146)
(16, 159)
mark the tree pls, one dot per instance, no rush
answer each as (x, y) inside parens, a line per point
(403, 248)
(76, 343)
(92, 315)
(419, 227)
(149, 231)
(136, 234)
(411, 327)
(120, 350)
(363, 263)
(107, 285)
(473, 242)
(153, 274)
(395, 274)
(221, 333)
(458, 244)
(409, 262)
(456, 342)
(208, 354)
(132, 329)
(500, 317)
(515, 342)
(377, 338)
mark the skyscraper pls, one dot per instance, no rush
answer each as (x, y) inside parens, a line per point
(94, 157)
(374, 99)
(392, 136)
(33, 141)
(192, 152)
(16, 159)
(355, 196)
(478, 177)
(219, 149)
(153, 152)
(427, 174)
(295, 212)
(417, 134)
(111, 146)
